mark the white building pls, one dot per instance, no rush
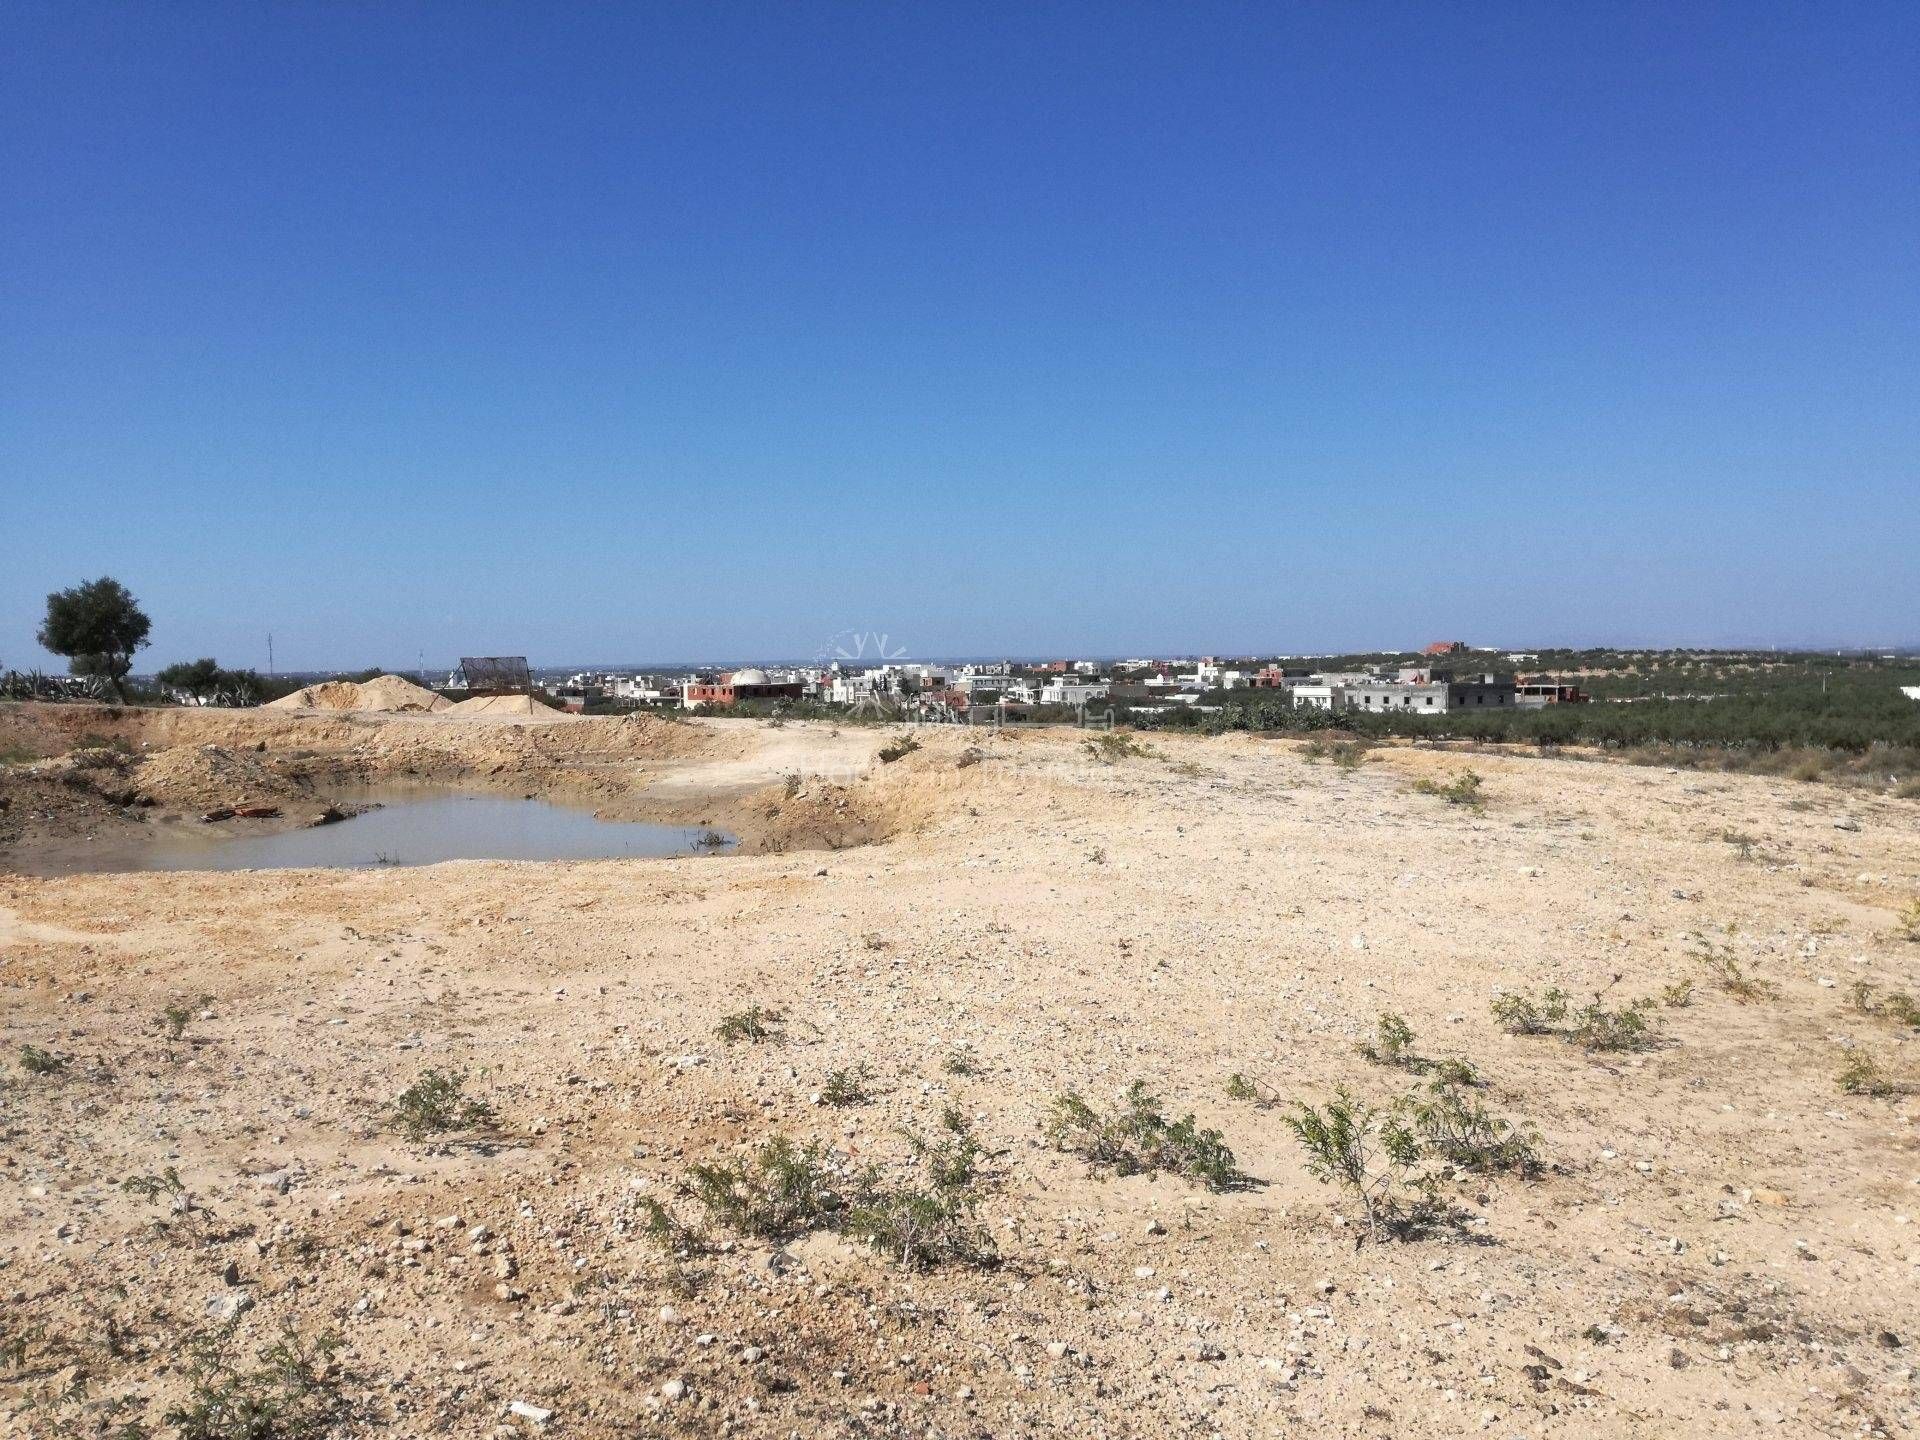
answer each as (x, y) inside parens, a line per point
(1072, 692)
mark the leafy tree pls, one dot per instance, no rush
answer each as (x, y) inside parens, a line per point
(97, 625)
(204, 679)
(199, 678)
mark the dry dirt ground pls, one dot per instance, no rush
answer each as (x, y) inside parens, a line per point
(1722, 1242)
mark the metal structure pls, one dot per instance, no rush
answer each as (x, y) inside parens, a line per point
(496, 674)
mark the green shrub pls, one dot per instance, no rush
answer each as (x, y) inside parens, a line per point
(1393, 1045)
(846, 1087)
(1463, 789)
(1140, 1139)
(1860, 1075)
(778, 1191)
(291, 1393)
(933, 1221)
(436, 1105)
(1742, 986)
(1459, 1129)
(36, 1061)
(1595, 1028)
(1519, 1014)
(1374, 1156)
(1257, 1092)
(753, 1024)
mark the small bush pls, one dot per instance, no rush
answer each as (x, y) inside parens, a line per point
(1596, 1028)
(1111, 747)
(1140, 1139)
(778, 1191)
(1257, 1092)
(1909, 922)
(673, 1235)
(152, 1187)
(36, 1061)
(1741, 985)
(846, 1087)
(1463, 789)
(1393, 1045)
(959, 1062)
(436, 1105)
(1374, 1156)
(1520, 1014)
(1678, 995)
(1860, 1075)
(291, 1393)
(933, 1221)
(1346, 754)
(1461, 1131)
(752, 1024)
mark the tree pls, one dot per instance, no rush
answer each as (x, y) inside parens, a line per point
(199, 678)
(97, 625)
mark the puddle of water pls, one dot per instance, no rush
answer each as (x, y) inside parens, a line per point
(408, 829)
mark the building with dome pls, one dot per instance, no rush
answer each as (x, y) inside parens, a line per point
(724, 690)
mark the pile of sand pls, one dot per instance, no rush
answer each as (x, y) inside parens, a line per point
(388, 693)
(509, 705)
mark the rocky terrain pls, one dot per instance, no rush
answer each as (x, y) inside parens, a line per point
(420, 1152)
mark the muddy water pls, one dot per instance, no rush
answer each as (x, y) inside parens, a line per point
(409, 827)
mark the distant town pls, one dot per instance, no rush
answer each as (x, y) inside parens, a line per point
(1451, 677)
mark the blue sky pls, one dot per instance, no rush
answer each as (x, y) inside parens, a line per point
(715, 330)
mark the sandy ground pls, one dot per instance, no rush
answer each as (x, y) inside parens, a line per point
(1722, 1243)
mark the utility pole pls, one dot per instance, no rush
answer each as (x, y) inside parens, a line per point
(269, 652)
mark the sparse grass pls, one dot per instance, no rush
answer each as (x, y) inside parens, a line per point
(1678, 995)
(176, 1017)
(1860, 1075)
(846, 1087)
(1746, 847)
(1374, 1156)
(778, 1191)
(753, 1024)
(1139, 1139)
(1463, 789)
(898, 750)
(36, 1061)
(959, 1062)
(436, 1104)
(291, 1392)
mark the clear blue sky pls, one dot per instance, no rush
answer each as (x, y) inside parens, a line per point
(712, 330)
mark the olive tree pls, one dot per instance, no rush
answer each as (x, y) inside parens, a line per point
(97, 625)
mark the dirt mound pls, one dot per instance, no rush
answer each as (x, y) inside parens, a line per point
(203, 777)
(505, 705)
(385, 693)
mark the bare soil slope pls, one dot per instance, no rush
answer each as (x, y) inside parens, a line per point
(1721, 1243)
